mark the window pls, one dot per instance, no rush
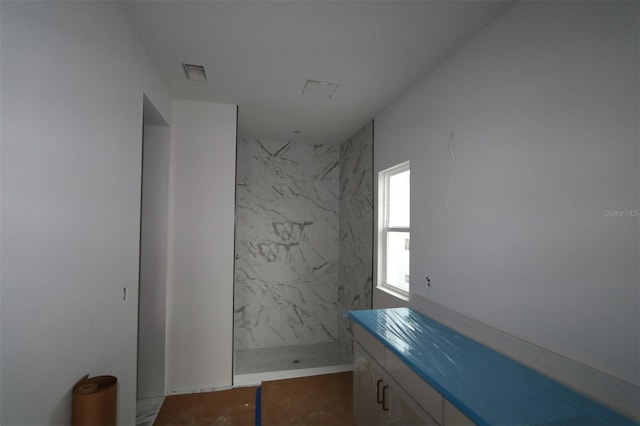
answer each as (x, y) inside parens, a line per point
(393, 226)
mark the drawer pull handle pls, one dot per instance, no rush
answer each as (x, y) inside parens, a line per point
(384, 398)
(378, 398)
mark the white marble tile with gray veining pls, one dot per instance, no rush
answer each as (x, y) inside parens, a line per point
(304, 222)
(287, 243)
(355, 272)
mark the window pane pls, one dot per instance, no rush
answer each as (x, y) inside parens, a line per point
(399, 200)
(398, 260)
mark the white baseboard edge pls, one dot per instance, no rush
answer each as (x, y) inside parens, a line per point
(256, 378)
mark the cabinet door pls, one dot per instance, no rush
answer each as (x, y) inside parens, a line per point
(400, 414)
(404, 410)
(429, 399)
(454, 417)
(367, 389)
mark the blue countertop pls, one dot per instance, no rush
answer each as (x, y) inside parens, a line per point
(488, 387)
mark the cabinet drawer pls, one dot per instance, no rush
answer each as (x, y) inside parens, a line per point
(369, 343)
(421, 391)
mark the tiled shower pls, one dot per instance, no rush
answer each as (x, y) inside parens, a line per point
(304, 229)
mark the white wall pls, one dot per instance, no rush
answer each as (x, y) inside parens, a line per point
(201, 238)
(544, 106)
(153, 262)
(72, 80)
(382, 299)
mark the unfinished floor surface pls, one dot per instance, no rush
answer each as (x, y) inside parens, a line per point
(308, 401)
(233, 407)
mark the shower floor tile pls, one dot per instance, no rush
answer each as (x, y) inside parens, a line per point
(249, 361)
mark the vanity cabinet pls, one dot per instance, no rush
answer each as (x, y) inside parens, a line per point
(454, 417)
(387, 392)
(378, 399)
(367, 388)
(411, 370)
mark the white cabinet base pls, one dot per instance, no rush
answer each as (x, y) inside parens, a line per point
(387, 392)
(454, 417)
(380, 400)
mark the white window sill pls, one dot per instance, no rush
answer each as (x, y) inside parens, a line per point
(398, 295)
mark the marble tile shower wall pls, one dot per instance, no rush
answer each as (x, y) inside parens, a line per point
(287, 205)
(356, 229)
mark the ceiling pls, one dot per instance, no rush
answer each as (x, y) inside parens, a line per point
(259, 55)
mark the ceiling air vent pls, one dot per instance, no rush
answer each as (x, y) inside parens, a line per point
(319, 89)
(194, 72)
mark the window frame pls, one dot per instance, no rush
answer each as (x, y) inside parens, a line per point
(384, 177)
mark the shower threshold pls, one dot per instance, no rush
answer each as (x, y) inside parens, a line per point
(253, 366)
